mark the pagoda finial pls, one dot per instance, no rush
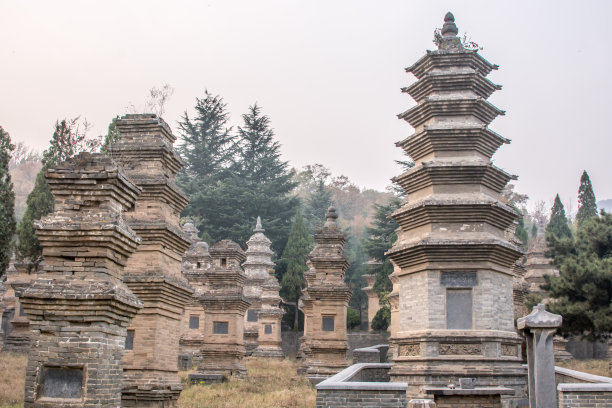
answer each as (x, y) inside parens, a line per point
(331, 217)
(449, 34)
(258, 227)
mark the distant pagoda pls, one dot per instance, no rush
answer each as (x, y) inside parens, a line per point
(451, 304)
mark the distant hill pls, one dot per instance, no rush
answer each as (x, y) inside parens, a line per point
(605, 205)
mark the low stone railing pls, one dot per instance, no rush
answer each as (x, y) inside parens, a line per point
(363, 385)
(576, 389)
(372, 354)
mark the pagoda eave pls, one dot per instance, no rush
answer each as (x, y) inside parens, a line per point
(449, 59)
(436, 107)
(442, 82)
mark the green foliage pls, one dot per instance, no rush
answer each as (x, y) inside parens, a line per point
(112, 137)
(356, 256)
(558, 233)
(382, 319)
(380, 239)
(69, 139)
(7, 201)
(520, 232)
(352, 318)
(233, 179)
(295, 255)
(534, 230)
(317, 204)
(587, 205)
(583, 289)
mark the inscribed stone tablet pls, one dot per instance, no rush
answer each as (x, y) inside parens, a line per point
(458, 279)
(268, 329)
(459, 309)
(129, 340)
(328, 323)
(194, 322)
(62, 382)
(251, 315)
(220, 327)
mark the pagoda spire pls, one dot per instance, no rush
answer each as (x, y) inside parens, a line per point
(449, 34)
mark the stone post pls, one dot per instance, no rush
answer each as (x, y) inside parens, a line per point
(373, 301)
(539, 327)
(79, 306)
(153, 273)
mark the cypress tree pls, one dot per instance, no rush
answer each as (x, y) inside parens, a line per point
(7, 201)
(587, 205)
(295, 255)
(112, 137)
(558, 225)
(317, 203)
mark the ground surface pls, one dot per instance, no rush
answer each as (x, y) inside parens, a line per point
(273, 384)
(597, 367)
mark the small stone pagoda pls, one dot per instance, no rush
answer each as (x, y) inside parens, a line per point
(373, 299)
(153, 273)
(261, 290)
(79, 307)
(196, 262)
(538, 265)
(225, 306)
(451, 304)
(258, 262)
(17, 325)
(325, 302)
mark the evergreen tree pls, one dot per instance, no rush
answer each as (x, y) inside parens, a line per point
(558, 233)
(380, 239)
(587, 205)
(112, 137)
(295, 255)
(353, 250)
(583, 289)
(317, 203)
(520, 232)
(69, 139)
(7, 201)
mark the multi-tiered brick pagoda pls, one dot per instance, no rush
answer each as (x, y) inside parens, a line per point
(451, 305)
(262, 291)
(153, 273)
(225, 306)
(325, 301)
(196, 262)
(78, 306)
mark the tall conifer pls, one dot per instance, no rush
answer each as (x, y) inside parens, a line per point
(587, 205)
(7, 201)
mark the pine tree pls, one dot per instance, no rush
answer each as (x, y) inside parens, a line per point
(69, 139)
(112, 137)
(295, 255)
(380, 239)
(583, 289)
(7, 201)
(587, 205)
(558, 233)
(317, 203)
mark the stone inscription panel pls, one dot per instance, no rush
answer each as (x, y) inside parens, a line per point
(220, 327)
(194, 322)
(459, 309)
(62, 382)
(129, 340)
(268, 329)
(458, 279)
(328, 323)
(251, 315)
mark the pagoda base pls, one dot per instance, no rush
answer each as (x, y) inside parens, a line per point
(437, 359)
(226, 360)
(269, 352)
(560, 349)
(250, 341)
(152, 389)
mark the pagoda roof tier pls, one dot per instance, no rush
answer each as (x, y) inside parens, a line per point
(460, 210)
(446, 81)
(329, 292)
(489, 250)
(322, 262)
(224, 302)
(466, 172)
(162, 188)
(226, 277)
(164, 292)
(132, 155)
(161, 232)
(443, 138)
(447, 59)
(445, 106)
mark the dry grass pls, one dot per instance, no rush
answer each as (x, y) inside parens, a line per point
(271, 383)
(597, 367)
(12, 379)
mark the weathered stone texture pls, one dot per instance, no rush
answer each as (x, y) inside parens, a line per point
(153, 273)
(360, 399)
(78, 306)
(452, 299)
(325, 301)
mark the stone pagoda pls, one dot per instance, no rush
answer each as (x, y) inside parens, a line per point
(261, 289)
(258, 262)
(325, 301)
(17, 335)
(451, 304)
(79, 307)
(373, 299)
(225, 306)
(153, 273)
(196, 262)
(538, 265)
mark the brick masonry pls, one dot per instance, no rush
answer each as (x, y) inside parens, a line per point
(360, 399)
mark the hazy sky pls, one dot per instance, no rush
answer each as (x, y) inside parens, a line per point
(328, 73)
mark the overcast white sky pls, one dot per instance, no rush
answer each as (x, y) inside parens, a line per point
(328, 73)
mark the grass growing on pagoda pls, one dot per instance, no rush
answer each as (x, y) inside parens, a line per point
(271, 383)
(12, 379)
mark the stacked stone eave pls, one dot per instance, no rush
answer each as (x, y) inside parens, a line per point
(451, 232)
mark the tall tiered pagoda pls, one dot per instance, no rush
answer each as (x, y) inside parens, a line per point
(451, 304)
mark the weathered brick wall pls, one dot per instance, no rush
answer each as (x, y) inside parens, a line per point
(290, 342)
(366, 339)
(371, 375)
(465, 401)
(572, 399)
(360, 399)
